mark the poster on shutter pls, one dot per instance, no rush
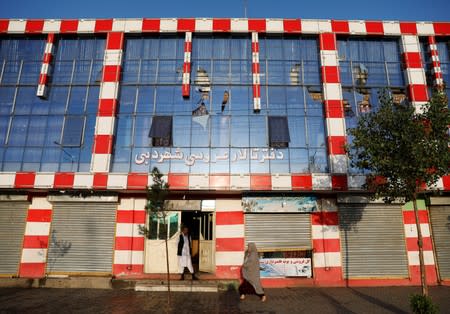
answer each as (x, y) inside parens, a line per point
(285, 267)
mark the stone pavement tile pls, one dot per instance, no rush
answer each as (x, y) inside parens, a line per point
(288, 300)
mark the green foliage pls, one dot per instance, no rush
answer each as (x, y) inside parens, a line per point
(401, 149)
(156, 205)
(422, 304)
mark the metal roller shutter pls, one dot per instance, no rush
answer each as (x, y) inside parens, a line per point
(12, 227)
(372, 241)
(277, 231)
(440, 224)
(82, 237)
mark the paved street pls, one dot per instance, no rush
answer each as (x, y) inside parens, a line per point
(294, 300)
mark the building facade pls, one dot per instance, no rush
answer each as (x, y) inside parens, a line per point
(247, 120)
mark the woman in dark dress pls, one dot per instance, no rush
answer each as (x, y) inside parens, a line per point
(250, 271)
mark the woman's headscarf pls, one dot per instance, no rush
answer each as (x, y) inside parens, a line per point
(250, 269)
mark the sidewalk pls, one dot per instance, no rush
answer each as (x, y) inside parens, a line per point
(288, 300)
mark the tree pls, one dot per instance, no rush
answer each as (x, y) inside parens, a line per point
(157, 207)
(404, 150)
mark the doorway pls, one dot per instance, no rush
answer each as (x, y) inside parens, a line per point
(201, 228)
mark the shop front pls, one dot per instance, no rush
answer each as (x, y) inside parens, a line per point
(199, 217)
(281, 229)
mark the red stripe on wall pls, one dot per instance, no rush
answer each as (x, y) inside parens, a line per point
(412, 60)
(102, 26)
(442, 28)
(130, 243)
(418, 92)
(336, 145)
(411, 244)
(325, 218)
(150, 25)
(186, 25)
(228, 272)
(103, 144)
(292, 26)
(339, 182)
(408, 28)
(107, 107)
(39, 215)
(137, 181)
(257, 25)
(114, 40)
(100, 181)
(178, 181)
(326, 245)
(327, 41)
(131, 216)
(35, 242)
(221, 25)
(111, 73)
(301, 182)
(340, 26)
(32, 270)
(63, 180)
(34, 26)
(410, 218)
(330, 74)
(69, 26)
(126, 269)
(230, 244)
(24, 180)
(334, 109)
(260, 182)
(229, 218)
(374, 28)
(4, 24)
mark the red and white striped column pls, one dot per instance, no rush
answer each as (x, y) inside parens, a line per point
(414, 71)
(129, 243)
(412, 247)
(334, 113)
(256, 73)
(108, 102)
(326, 244)
(36, 239)
(186, 81)
(436, 71)
(230, 241)
(46, 66)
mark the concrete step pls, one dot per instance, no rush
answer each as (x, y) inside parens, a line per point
(177, 286)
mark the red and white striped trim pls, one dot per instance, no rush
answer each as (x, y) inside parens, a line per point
(184, 181)
(186, 81)
(326, 243)
(36, 239)
(256, 73)
(108, 100)
(230, 241)
(414, 72)
(412, 246)
(129, 244)
(332, 94)
(46, 66)
(438, 80)
(220, 25)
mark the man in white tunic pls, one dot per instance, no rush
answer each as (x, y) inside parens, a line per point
(184, 253)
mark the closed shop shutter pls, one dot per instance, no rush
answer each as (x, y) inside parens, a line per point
(82, 237)
(372, 241)
(440, 224)
(278, 231)
(12, 227)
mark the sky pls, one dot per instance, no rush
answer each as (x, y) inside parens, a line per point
(404, 10)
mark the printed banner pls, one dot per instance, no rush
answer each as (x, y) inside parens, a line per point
(299, 204)
(285, 267)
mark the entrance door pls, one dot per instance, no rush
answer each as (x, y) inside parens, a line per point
(156, 248)
(207, 250)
